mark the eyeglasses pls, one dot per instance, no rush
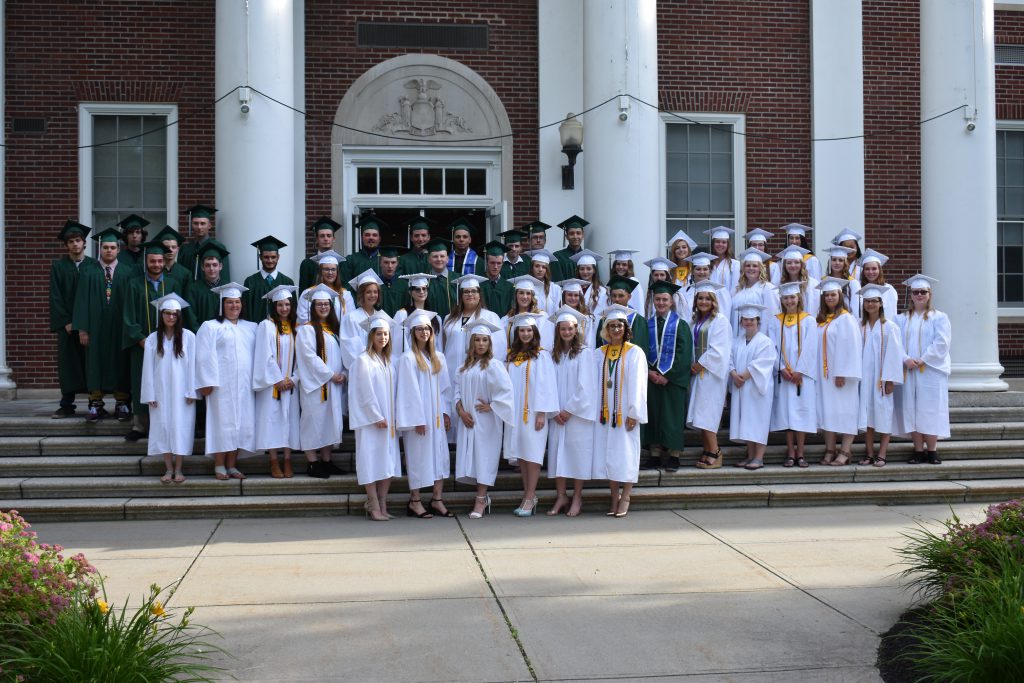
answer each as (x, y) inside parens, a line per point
(615, 326)
(173, 314)
(417, 289)
(919, 292)
(421, 330)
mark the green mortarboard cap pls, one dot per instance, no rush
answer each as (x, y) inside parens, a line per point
(371, 222)
(107, 235)
(72, 228)
(622, 283)
(462, 223)
(212, 247)
(573, 221)
(513, 236)
(391, 250)
(536, 227)
(324, 223)
(268, 243)
(495, 248)
(132, 222)
(201, 211)
(168, 233)
(419, 223)
(154, 247)
(439, 244)
(664, 287)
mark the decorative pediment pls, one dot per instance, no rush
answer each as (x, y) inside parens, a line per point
(422, 112)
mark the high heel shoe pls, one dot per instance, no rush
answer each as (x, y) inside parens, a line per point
(373, 512)
(411, 512)
(286, 470)
(487, 507)
(275, 468)
(717, 462)
(441, 513)
(623, 507)
(524, 512)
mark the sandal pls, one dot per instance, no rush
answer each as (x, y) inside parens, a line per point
(829, 457)
(789, 461)
(916, 458)
(235, 473)
(575, 508)
(411, 512)
(754, 465)
(801, 462)
(438, 511)
(842, 458)
(742, 464)
(221, 473)
(879, 462)
(166, 479)
(716, 460)
(867, 460)
(179, 477)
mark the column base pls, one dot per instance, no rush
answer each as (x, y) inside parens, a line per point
(977, 377)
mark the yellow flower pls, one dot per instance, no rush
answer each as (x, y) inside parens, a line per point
(157, 610)
(104, 607)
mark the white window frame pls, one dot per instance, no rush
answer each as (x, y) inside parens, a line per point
(87, 110)
(739, 162)
(1009, 313)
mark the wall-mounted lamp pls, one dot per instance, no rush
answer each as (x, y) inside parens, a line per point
(570, 132)
(244, 97)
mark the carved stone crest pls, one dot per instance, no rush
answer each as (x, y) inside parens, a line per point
(421, 112)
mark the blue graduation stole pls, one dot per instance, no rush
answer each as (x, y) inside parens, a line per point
(665, 352)
(468, 264)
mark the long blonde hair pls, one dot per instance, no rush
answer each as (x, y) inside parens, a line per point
(428, 353)
(471, 357)
(385, 353)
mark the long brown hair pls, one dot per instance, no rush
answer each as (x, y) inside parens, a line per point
(518, 346)
(426, 358)
(385, 353)
(571, 349)
(276, 317)
(514, 308)
(822, 313)
(332, 323)
(471, 357)
(161, 329)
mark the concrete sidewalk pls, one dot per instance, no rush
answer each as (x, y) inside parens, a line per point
(776, 594)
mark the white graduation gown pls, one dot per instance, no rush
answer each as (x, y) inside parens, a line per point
(636, 297)
(838, 408)
(424, 399)
(588, 332)
(881, 361)
(545, 326)
(924, 404)
(277, 419)
(321, 418)
(168, 381)
(455, 340)
(616, 449)
(553, 300)
(571, 446)
(726, 273)
(596, 309)
(478, 449)
(890, 299)
(763, 294)
(790, 409)
(224, 356)
(707, 388)
(540, 397)
(750, 410)
(374, 382)
(342, 305)
(723, 297)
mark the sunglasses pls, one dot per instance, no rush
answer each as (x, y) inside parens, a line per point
(417, 289)
(919, 292)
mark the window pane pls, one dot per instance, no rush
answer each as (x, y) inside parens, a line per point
(104, 160)
(154, 162)
(411, 181)
(1014, 288)
(675, 198)
(700, 197)
(675, 138)
(156, 129)
(454, 181)
(700, 167)
(1012, 234)
(366, 180)
(721, 198)
(389, 181)
(129, 161)
(104, 193)
(104, 129)
(675, 168)
(1013, 262)
(1014, 172)
(432, 182)
(158, 218)
(476, 181)
(700, 138)
(721, 139)
(1014, 202)
(721, 168)
(129, 193)
(154, 193)
(127, 127)
(1014, 144)
(102, 220)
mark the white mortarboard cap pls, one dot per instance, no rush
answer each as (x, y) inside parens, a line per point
(328, 258)
(525, 320)
(617, 312)
(567, 314)
(585, 257)
(364, 277)
(573, 285)
(871, 291)
(319, 293)
(837, 251)
(709, 286)
(622, 254)
(377, 320)
(169, 302)
(832, 284)
(719, 233)
(847, 234)
(700, 260)
(419, 317)
(920, 281)
(870, 255)
(419, 279)
(789, 289)
(483, 326)
(680, 235)
(231, 290)
(660, 263)
(528, 283)
(792, 253)
(751, 310)
(470, 281)
(542, 255)
(757, 235)
(753, 254)
(796, 229)
(280, 293)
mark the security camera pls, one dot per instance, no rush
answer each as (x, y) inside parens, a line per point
(623, 115)
(244, 108)
(971, 125)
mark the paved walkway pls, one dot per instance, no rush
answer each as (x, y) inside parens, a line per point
(779, 594)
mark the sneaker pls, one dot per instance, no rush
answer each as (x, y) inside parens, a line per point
(317, 471)
(94, 414)
(331, 468)
(133, 435)
(670, 463)
(122, 412)
(63, 412)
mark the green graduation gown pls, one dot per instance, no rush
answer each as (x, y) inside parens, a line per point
(64, 278)
(509, 271)
(667, 404)
(132, 259)
(412, 263)
(187, 260)
(205, 305)
(309, 271)
(254, 307)
(563, 268)
(394, 294)
(106, 365)
(498, 295)
(358, 262)
(441, 295)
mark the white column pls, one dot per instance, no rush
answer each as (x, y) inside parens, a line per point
(837, 110)
(560, 92)
(255, 161)
(620, 147)
(958, 182)
(290, 265)
(7, 386)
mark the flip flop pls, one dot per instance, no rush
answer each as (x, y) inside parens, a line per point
(753, 466)
(179, 478)
(235, 473)
(221, 473)
(166, 479)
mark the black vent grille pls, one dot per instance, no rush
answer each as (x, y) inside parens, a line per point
(453, 36)
(25, 125)
(1010, 55)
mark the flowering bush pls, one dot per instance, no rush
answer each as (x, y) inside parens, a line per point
(37, 582)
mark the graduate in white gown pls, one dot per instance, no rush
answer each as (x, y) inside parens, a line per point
(469, 308)
(795, 405)
(871, 273)
(322, 376)
(923, 412)
(483, 398)
(837, 371)
(757, 238)
(571, 429)
(535, 399)
(367, 286)
(700, 271)
(274, 380)
(573, 297)
(622, 407)
(527, 298)
(168, 366)
(712, 351)
(424, 415)
(419, 285)
(839, 268)
(678, 249)
(750, 382)
(594, 294)
(622, 266)
(881, 371)
(851, 240)
(374, 380)
(550, 297)
(328, 265)
(753, 288)
(725, 270)
(224, 355)
(794, 270)
(796, 236)
(661, 271)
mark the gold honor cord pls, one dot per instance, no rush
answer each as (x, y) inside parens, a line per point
(829, 319)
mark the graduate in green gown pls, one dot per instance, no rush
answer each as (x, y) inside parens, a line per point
(515, 263)
(324, 230)
(441, 292)
(394, 289)
(97, 317)
(415, 260)
(669, 354)
(619, 291)
(139, 320)
(497, 291)
(200, 219)
(254, 307)
(64, 276)
(204, 302)
(172, 239)
(463, 259)
(566, 268)
(133, 234)
(367, 256)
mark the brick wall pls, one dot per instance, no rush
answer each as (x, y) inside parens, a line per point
(57, 55)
